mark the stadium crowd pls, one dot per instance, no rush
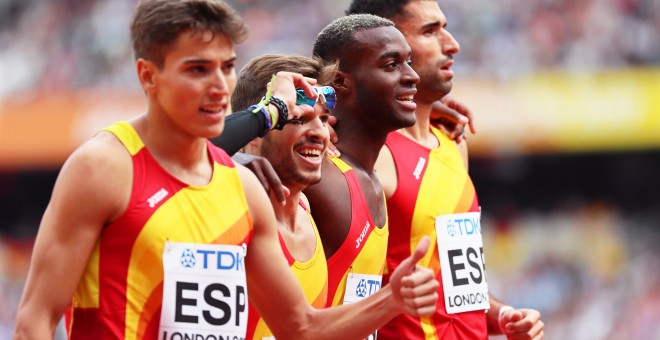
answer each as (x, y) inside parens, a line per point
(600, 269)
(76, 44)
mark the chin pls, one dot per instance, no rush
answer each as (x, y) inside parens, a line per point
(216, 130)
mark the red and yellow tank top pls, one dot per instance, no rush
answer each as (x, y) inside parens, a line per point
(312, 275)
(431, 182)
(363, 251)
(120, 293)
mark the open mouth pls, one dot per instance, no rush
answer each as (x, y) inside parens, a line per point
(312, 154)
(213, 109)
(406, 98)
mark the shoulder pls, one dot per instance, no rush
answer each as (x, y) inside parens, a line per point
(259, 204)
(98, 175)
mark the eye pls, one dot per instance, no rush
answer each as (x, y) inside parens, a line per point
(296, 121)
(228, 67)
(200, 69)
(430, 31)
(324, 118)
(392, 65)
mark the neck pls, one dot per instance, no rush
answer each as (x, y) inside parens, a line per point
(169, 144)
(359, 143)
(421, 131)
(286, 214)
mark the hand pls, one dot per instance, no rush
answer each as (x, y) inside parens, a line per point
(521, 324)
(284, 88)
(332, 150)
(413, 286)
(452, 116)
(266, 174)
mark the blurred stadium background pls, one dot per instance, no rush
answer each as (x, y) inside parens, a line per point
(566, 159)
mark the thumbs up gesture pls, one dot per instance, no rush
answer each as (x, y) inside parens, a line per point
(414, 287)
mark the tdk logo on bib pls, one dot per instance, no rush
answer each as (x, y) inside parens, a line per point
(463, 227)
(366, 287)
(361, 290)
(212, 259)
(451, 229)
(188, 259)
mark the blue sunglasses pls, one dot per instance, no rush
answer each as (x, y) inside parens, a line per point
(326, 94)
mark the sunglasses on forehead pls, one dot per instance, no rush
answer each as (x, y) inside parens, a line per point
(326, 94)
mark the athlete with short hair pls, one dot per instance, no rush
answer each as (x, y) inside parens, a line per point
(374, 86)
(425, 178)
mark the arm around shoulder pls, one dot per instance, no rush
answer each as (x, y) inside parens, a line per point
(92, 188)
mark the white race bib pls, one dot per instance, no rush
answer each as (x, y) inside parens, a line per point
(462, 262)
(204, 292)
(358, 287)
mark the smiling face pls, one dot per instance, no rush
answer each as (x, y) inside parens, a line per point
(192, 88)
(296, 153)
(423, 24)
(383, 81)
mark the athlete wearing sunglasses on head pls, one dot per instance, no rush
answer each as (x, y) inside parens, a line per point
(246, 125)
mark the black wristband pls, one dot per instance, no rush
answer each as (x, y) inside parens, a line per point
(282, 110)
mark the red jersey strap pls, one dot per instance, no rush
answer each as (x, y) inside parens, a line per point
(219, 155)
(343, 258)
(303, 205)
(289, 258)
(287, 254)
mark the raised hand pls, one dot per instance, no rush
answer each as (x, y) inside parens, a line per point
(414, 286)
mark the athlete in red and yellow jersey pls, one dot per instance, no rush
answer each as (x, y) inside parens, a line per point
(418, 201)
(161, 209)
(311, 273)
(373, 85)
(444, 201)
(360, 260)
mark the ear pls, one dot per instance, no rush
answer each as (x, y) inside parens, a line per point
(146, 72)
(342, 81)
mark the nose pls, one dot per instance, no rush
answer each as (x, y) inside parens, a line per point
(409, 75)
(218, 86)
(316, 129)
(449, 45)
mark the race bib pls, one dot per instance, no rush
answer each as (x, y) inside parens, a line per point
(358, 287)
(204, 292)
(462, 262)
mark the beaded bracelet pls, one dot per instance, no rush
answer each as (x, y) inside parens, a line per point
(283, 111)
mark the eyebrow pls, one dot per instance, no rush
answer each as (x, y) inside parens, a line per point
(432, 25)
(394, 55)
(391, 54)
(206, 61)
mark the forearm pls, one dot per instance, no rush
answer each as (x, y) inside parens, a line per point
(240, 128)
(492, 317)
(34, 325)
(351, 321)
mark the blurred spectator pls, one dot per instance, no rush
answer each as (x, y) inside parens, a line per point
(593, 273)
(82, 43)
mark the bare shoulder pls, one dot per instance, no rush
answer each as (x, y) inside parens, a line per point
(330, 204)
(329, 190)
(260, 208)
(97, 175)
